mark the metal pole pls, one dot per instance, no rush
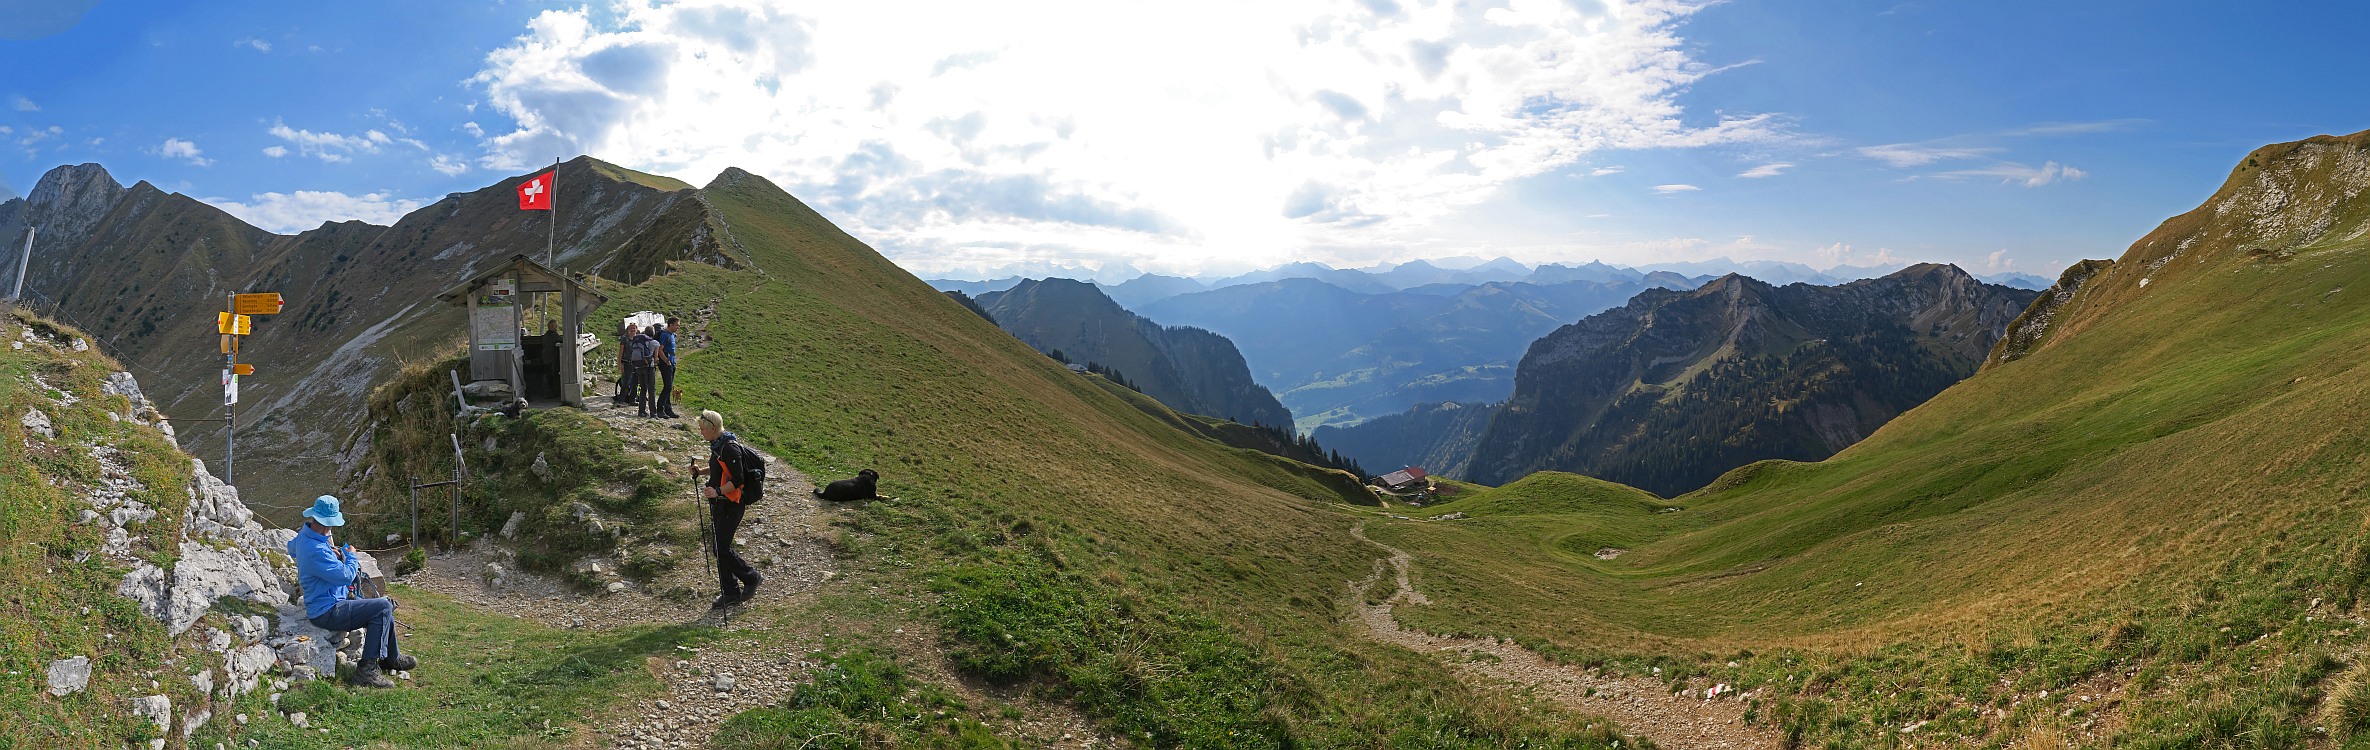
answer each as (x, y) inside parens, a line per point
(24, 263)
(415, 512)
(551, 242)
(457, 468)
(230, 412)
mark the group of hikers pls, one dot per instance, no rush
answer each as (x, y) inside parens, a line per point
(329, 573)
(646, 369)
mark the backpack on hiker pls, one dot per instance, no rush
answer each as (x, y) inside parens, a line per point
(641, 349)
(745, 469)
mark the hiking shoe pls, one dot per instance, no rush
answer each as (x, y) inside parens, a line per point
(368, 676)
(749, 585)
(399, 664)
(729, 599)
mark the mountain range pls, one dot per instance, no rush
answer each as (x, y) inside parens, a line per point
(145, 270)
(2139, 523)
(1189, 369)
(1134, 288)
(1677, 387)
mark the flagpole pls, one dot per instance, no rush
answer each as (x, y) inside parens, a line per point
(551, 242)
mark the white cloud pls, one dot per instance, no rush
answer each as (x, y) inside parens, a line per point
(1918, 155)
(275, 151)
(1998, 261)
(1681, 188)
(289, 213)
(1840, 254)
(175, 148)
(23, 104)
(448, 166)
(1602, 171)
(1772, 169)
(258, 45)
(2011, 173)
(1001, 134)
(328, 147)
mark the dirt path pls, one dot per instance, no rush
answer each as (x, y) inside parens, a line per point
(1682, 720)
(746, 668)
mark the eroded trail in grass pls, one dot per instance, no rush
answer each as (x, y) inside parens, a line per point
(1641, 705)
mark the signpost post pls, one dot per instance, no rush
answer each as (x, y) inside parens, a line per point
(232, 324)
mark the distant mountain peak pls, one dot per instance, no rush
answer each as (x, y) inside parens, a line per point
(69, 184)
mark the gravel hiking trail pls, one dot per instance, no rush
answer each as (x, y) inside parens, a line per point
(747, 667)
(750, 665)
(1681, 719)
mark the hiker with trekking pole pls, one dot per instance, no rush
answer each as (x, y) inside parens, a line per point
(736, 480)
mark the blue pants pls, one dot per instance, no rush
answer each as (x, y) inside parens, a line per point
(376, 619)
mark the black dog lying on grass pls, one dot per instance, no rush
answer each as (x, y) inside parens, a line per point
(864, 487)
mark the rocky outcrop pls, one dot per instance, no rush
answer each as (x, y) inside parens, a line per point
(1667, 392)
(2031, 329)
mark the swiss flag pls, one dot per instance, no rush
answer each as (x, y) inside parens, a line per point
(535, 193)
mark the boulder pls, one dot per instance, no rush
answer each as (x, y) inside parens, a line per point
(307, 650)
(157, 709)
(69, 676)
(487, 390)
(372, 583)
(541, 467)
(207, 573)
(510, 528)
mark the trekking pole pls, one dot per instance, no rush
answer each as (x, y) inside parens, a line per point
(708, 552)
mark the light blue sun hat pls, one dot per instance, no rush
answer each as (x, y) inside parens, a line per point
(324, 512)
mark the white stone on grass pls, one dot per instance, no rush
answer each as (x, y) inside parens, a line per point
(69, 676)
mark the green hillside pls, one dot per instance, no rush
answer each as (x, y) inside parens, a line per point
(2157, 506)
(1052, 530)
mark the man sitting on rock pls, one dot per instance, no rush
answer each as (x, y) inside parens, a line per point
(327, 572)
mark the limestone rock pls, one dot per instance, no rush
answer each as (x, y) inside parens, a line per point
(194, 721)
(216, 640)
(510, 527)
(38, 423)
(148, 586)
(157, 709)
(307, 650)
(246, 667)
(487, 389)
(541, 467)
(69, 676)
(206, 573)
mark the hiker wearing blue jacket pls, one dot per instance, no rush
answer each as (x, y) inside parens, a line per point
(666, 369)
(327, 573)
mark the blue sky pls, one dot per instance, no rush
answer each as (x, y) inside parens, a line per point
(955, 136)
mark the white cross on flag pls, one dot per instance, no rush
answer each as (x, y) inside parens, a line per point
(535, 193)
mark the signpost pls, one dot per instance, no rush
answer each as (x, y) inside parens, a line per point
(233, 323)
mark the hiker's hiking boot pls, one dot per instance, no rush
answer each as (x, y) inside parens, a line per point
(728, 600)
(749, 586)
(399, 664)
(367, 675)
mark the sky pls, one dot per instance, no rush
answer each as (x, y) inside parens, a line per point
(962, 137)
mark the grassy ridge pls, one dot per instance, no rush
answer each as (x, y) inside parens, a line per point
(1018, 478)
(2173, 475)
(53, 606)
